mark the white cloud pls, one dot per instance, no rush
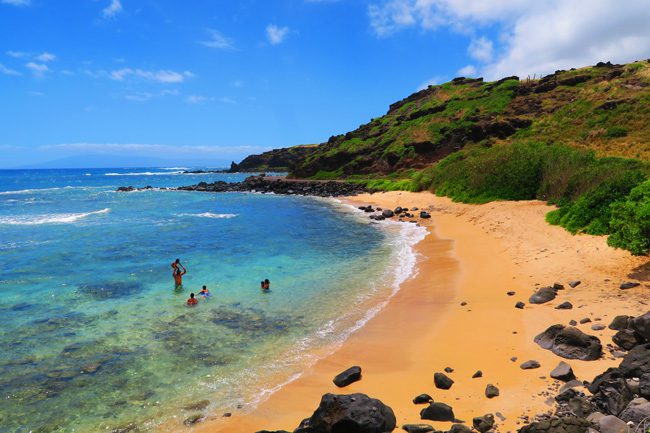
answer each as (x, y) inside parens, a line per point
(35, 93)
(276, 35)
(148, 149)
(139, 96)
(45, 57)
(16, 2)
(468, 71)
(534, 37)
(197, 99)
(16, 54)
(219, 40)
(162, 76)
(227, 100)
(38, 69)
(7, 71)
(112, 9)
(481, 49)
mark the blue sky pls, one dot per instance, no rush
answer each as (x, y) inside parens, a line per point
(206, 82)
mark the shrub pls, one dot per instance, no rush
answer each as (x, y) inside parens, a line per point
(615, 132)
(630, 221)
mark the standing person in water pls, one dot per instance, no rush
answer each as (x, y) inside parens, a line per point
(192, 300)
(178, 274)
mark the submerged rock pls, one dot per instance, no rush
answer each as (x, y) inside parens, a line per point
(110, 289)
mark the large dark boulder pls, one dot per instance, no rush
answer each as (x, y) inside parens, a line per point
(438, 412)
(627, 339)
(641, 325)
(612, 424)
(636, 411)
(620, 322)
(613, 396)
(348, 376)
(442, 381)
(543, 295)
(637, 362)
(569, 424)
(570, 343)
(418, 428)
(353, 413)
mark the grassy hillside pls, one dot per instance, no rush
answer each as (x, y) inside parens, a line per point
(274, 160)
(605, 108)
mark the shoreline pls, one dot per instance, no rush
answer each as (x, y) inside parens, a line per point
(473, 253)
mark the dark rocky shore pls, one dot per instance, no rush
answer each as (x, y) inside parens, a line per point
(275, 185)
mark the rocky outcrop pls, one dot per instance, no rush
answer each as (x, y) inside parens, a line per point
(278, 160)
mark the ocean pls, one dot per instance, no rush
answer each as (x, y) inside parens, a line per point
(93, 334)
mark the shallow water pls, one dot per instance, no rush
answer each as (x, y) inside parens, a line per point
(93, 334)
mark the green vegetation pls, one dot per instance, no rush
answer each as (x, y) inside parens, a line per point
(594, 195)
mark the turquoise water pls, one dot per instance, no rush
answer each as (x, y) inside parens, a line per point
(93, 335)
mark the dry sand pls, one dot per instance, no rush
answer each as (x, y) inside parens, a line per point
(473, 254)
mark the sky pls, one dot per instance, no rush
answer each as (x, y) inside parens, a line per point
(200, 82)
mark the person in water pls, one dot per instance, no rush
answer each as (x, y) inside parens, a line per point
(266, 284)
(176, 263)
(178, 276)
(192, 300)
(204, 292)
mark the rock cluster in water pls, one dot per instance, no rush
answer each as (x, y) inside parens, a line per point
(266, 185)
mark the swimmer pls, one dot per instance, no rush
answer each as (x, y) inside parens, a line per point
(265, 285)
(192, 300)
(205, 292)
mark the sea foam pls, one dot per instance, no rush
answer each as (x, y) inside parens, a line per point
(55, 218)
(210, 215)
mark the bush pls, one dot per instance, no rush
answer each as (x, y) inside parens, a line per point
(630, 221)
(615, 132)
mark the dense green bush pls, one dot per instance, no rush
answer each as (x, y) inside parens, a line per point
(630, 221)
(587, 190)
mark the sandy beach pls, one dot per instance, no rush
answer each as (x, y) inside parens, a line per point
(473, 254)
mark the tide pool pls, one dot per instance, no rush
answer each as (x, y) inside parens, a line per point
(93, 335)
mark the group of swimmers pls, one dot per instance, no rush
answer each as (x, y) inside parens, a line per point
(178, 270)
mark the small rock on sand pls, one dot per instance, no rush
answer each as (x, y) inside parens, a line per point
(418, 428)
(563, 372)
(478, 374)
(491, 391)
(529, 365)
(573, 322)
(449, 370)
(511, 293)
(438, 412)
(422, 399)
(566, 305)
(348, 376)
(520, 305)
(483, 423)
(574, 283)
(585, 320)
(628, 285)
(598, 327)
(442, 381)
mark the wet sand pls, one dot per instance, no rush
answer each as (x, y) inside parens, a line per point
(473, 254)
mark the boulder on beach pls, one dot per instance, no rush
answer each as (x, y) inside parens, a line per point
(641, 325)
(387, 213)
(353, 413)
(574, 283)
(459, 428)
(543, 295)
(422, 399)
(491, 391)
(424, 215)
(612, 424)
(529, 365)
(348, 376)
(628, 285)
(442, 381)
(438, 412)
(598, 327)
(636, 411)
(620, 322)
(563, 372)
(566, 305)
(570, 343)
(567, 424)
(627, 339)
(483, 423)
(418, 428)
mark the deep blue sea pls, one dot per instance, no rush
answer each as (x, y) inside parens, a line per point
(93, 334)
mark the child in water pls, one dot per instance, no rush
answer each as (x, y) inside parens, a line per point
(205, 292)
(192, 300)
(265, 285)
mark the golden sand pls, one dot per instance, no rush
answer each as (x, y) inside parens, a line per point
(473, 254)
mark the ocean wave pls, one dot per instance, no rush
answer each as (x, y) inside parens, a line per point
(210, 215)
(144, 173)
(174, 168)
(28, 191)
(56, 218)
